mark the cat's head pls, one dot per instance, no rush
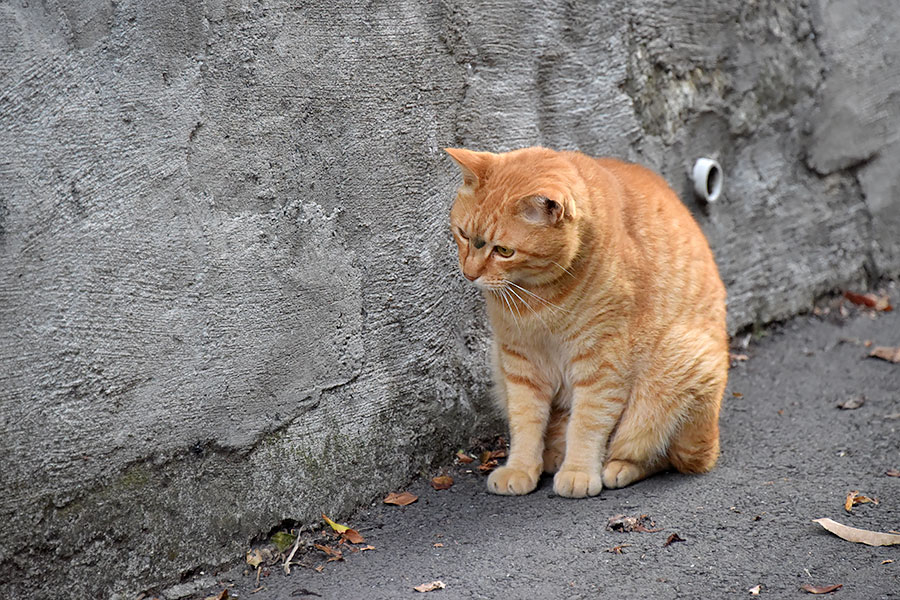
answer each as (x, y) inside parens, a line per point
(515, 216)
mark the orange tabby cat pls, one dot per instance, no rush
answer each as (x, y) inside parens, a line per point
(608, 314)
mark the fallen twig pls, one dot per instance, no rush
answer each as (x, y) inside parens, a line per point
(287, 562)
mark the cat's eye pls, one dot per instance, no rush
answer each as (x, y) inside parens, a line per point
(462, 234)
(504, 251)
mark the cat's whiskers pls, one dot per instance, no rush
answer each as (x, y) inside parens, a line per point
(531, 308)
(564, 269)
(532, 294)
(513, 302)
(501, 292)
(515, 307)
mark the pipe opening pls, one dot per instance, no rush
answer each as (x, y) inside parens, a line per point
(708, 177)
(713, 182)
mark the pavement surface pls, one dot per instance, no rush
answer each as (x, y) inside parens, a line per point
(789, 455)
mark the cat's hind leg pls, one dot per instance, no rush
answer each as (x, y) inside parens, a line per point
(637, 449)
(672, 415)
(695, 447)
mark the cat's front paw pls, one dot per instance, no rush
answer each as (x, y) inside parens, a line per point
(511, 481)
(577, 484)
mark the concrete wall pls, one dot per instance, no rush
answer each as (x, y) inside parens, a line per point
(227, 292)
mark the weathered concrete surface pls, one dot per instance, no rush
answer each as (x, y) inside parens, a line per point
(856, 123)
(227, 294)
(790, 455)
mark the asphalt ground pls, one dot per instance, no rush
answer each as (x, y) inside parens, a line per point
(789, 455)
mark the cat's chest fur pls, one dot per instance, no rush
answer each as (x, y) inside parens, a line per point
(550, 355)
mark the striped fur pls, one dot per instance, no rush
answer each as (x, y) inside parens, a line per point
(610, 348)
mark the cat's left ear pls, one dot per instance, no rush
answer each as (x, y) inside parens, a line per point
(546, 211)
(474, 165)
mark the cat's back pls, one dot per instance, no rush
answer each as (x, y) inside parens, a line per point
(643, 189)
(669, 257)
(651, 209)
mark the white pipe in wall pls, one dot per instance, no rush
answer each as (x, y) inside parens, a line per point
(707, 177)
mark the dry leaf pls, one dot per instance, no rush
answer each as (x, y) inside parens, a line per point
(336, 526)
(618, 549)
(352, 536)
(887, 353)
(642, 529)
(821, 589)
(854, 498)
(367, 547)
(327, 550)
(430, 587)
(283, 540)
(848, 503)
(319, 569)
(464, 458)
(737, 394)
(488, 466)
(736, 358)
(442, 482)
(400, 499)
(887, 562)
(852, 403)
(640, 523)
(879, 302)
(865, 500)
(438, 545)
(883, 303)
(672, 539)
(860, 536)
(223, 595)
(256, 557)
(331, 552)
(754, 591)
(491, 455)
(892, 473)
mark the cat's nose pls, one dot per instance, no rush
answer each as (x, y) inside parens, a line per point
(472, 267)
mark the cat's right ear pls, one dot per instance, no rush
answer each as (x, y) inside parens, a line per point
(474, 165)
(544, 211)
